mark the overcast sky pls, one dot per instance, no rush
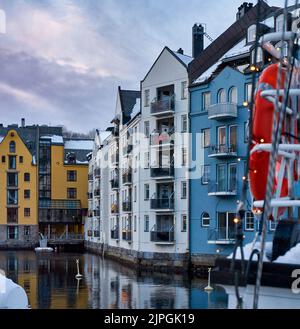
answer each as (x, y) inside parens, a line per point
(62, 60)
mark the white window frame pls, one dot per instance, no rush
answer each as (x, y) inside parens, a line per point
(251, 33)
(203, 138)
(146, 223)
(184, 90)
(146, 97)
(184, 123)
(146, 188)
(249, 215)
(205, 217)
(182, 221)
(183, 190)
(206, 96)
(147, 129)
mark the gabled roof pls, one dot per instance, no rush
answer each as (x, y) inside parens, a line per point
(182, 59)
(226, 41)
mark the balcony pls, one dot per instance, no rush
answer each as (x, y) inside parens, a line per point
(127, 206)
(90, 177)
(162, 173)
(127, 149)
(221, 235)
(166, 204)
(222, 188)
(114, 208)
(163, 107)
(222, 111)
(97, 213)
(115, 158)
(163, 139)
(162, 236)
(114, 234)
(127, 177)
(223, 151)
(90, 196)
(97, 172)
(114, 183)
(127, 235)
(97, 193)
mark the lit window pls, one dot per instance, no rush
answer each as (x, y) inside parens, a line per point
(205, 220)
(249, 221)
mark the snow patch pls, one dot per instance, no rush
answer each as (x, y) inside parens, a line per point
(55, 139)
(136, 109)
(184, 58)
(248, 248)
(291, 257)
(79, 145)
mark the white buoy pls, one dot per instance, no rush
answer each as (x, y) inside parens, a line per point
(209, 287)
(78, 275)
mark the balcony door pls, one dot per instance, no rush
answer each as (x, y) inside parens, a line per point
(164, 192)
(233, 138)
(232, 173)
(221, 177)
(164, 223)
(164, 93)
(226, 226)
(221, 138)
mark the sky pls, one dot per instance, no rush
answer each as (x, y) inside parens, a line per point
(61, 61)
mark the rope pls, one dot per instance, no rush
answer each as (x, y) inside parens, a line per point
(276, 135)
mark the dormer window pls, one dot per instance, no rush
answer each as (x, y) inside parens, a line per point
(280, 23)
(251, 35)
(259, 56)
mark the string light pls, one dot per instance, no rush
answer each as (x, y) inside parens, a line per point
(252, 68)
(255, 171)
(236, 220)
(245, 104)
(262, 140)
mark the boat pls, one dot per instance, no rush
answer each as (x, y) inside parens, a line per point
(43, 246)
(46, 249)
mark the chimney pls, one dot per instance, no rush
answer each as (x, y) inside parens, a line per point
(23, 123)
(243, 9)
(180, 51)
(198, 39)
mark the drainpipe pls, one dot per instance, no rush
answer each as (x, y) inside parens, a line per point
(189, 187)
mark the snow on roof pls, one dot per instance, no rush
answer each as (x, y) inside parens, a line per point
(184, 58)
(136, 109)
(55, 139)
(104, 135)
(208, 73)
(1, 138)
(79, 144)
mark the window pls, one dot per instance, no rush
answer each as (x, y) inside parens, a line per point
(221, 96)
(3, 158)
(206, 138)
(26, 194)
(222, 136)
(12, 215)
(146, 223)
(205, 220)
(12, 232)
(134, 223)
(147, 129)
(233, 95)
(206, 100)
(233, 138)
(26, 212)
(272, 225)
(146, 192)
(71, 193)
(184, 123)
(183, 190)
(135, 193)
(21, 159)
(184, 156)
(232, 179)
(251, 35)
(184, 90)
(249, 221)
(259, 56)
(71, 175)
(12, 162)
(248, 91)
(12, 197)
(27, 177)
(26, 230)
(12, 180)
(183, 223)
(146, 160)
(147, 98)
(246, 132)
(12, 147)
(280, 23)
(205, 174)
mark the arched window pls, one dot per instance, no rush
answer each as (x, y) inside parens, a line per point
(233, 96)
(221, 96)
(251, 35)
(205, 220)
(12, 147)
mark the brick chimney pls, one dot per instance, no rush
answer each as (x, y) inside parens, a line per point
(243, 9)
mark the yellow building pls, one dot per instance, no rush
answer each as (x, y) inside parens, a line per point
(18, 192)
(43, 186)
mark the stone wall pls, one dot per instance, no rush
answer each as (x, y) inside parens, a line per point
(23, 242)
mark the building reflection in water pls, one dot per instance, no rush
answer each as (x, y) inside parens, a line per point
(49, 281)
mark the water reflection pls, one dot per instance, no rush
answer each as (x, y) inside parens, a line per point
(50, 282)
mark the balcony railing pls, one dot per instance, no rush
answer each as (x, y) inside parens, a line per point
(163, 204)
(222, 187)
(97, 192)
(114, 183)
(97, 172)
(164, 106)
(162, 139)
(114, 208)
(114, 234)
(221, 235)
(165, 236)
(127, 177)
(222, 111)
(162, 172)
(127, 206)
(223, 150)
(127, 235)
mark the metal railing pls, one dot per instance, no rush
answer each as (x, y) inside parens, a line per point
(163, 203)
(127, 206)
(164, 105)
(65, 237)
(162, 235)
(221, 234)
(97, 192)
(127, 177)
(160, 139)
(223, 150)
(162, 172)
(222, 111)
(223, 186)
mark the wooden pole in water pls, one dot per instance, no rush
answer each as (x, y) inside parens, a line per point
(208, 287)
(78, 275)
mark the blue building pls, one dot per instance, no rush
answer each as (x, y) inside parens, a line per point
(220, 89)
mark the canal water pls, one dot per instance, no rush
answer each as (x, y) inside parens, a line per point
(50, 283)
